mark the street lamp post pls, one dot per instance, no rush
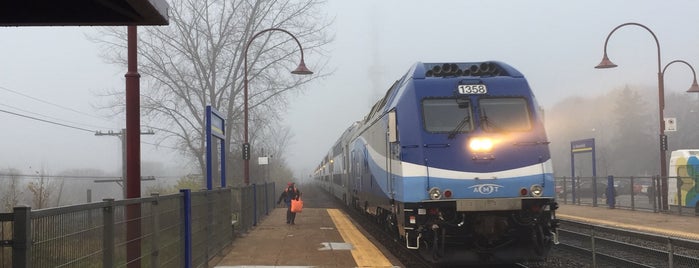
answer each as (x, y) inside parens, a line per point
(301, 69)
(606, 63)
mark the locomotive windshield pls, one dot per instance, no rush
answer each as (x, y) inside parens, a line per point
(504, 114)
(446, 115)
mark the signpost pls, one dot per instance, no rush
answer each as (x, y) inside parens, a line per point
(215, 128)
(579, 147)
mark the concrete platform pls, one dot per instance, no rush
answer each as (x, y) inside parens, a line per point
(658, 223)
(321, 237)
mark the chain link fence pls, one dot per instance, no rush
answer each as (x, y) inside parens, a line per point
(179, 230)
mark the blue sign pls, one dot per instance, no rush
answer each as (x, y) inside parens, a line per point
(216, 127)
(579, 146)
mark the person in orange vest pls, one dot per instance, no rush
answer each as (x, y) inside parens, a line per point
(291, 192)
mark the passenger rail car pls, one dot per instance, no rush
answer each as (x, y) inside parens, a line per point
(454, 160)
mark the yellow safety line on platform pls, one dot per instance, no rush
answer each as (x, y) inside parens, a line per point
(363, 251)
(665, 232)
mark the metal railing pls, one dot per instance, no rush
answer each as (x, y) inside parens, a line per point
(634, 193)
(186, 229)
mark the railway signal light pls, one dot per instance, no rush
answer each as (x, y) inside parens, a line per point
(246, 151)
(663, 142)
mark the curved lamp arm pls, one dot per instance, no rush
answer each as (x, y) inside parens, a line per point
(606, 63)
(301, 69)
(695, 86)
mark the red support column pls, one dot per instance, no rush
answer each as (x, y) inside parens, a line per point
(133, 152)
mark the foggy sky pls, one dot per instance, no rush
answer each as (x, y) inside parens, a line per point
(555, 44)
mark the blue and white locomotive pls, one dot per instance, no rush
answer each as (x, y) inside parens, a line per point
(454, 160)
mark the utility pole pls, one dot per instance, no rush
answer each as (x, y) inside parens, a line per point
(122, 137)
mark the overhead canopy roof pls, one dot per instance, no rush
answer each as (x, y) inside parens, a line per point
(83, 12)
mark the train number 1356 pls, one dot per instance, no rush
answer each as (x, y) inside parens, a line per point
(472, 89)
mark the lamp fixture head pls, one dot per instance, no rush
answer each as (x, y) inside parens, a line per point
(301, 69)
(694, 88)
(606, 63)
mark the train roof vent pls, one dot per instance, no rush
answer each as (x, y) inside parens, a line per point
(488, 68)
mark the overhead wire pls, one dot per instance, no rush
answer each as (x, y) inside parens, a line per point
(71, 125)
(58, 119)
(46, 116)
(77, 177)
(49, 103)
(46, 121)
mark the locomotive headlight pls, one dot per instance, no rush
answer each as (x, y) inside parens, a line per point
(435, 193)
(480, 144)
(536, 190)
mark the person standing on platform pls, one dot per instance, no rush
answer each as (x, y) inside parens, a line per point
(651, 193)
(291, 192)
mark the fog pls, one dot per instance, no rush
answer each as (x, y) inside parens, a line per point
(555, 44)
(56, 74)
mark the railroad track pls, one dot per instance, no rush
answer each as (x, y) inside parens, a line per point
(409, 258)
(582, 245)
(612, 247)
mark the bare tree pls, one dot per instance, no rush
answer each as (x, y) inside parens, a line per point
(41, 190)
(198, 61)
(188, 182)
(10, 189)
(276, 141)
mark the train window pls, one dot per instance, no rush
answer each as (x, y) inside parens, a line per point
(445, 115)
(504, 114)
